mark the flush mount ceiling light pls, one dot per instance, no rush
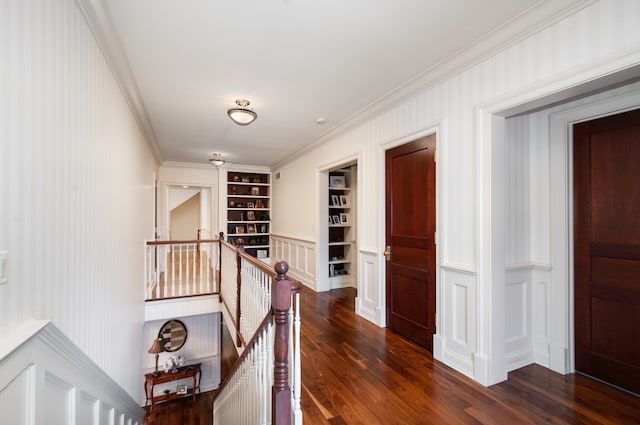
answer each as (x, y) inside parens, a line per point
(217, 160)
(241, 114)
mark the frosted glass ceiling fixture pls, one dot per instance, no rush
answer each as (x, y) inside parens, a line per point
(217, 160)
(241, 114)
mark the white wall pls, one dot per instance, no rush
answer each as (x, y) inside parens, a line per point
(591, 43)
(76, 188)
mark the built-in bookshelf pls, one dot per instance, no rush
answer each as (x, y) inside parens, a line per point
(340, 228)
(249, 211)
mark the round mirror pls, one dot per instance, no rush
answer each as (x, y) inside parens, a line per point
(173, 335)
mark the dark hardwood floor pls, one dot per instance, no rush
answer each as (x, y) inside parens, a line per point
(355, 373)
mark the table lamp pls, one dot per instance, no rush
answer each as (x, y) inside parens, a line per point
(156, 348)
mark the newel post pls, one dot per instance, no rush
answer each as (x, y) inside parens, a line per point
(239, 249)
(281, 303)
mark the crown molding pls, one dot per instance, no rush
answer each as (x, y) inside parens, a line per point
(538, 17)
(103, 32)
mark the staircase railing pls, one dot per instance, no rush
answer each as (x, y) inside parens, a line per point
(182, 268)
(262, 303)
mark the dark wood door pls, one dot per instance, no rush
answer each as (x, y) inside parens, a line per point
(410, 238)
(607, 248)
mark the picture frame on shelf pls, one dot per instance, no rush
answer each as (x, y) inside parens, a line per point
(255, 191)
(181, 389)
(250, 205)
(336, 219)
(251, 216)
(335, 201)
(337, 182)
(344, 201)
(239, 230)
(344, 218)
(251, 228)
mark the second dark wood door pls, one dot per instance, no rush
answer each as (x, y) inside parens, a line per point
(410, 238)
(607, 248)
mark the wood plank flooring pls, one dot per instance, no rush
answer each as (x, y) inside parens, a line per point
(356, 373)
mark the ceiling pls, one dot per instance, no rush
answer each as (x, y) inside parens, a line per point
(295, 60)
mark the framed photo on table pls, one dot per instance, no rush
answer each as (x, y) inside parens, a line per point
(181, 389)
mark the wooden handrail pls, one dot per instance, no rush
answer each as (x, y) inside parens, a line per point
(195, 241)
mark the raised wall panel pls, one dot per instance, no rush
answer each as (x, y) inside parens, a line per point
(368, 296)
(541, 319)
(16, 397)
(106, 414)
(518, 318)
(59, 401)
(87, 409)
(457, 336)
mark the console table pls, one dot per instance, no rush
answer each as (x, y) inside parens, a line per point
(189, 371)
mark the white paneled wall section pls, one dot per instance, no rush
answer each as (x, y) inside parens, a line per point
(76, 188)
(45, 380)
(599, 39)
(299, 254)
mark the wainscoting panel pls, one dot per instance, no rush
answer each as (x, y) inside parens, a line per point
(299, 254)
(541, 313)
(17, 393)
(46, 380)
(88, 409)
(59, 401)
(370, 299)
(456, 341)
(518, 316)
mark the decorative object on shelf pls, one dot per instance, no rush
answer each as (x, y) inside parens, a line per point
(255, 191)
(336, 219)
(245, 179)
(257, 179)
(156, 348)
(344, 218)
(337, 182)
(251, 228)
(263, 217)
(181, 389)
(241, 114)
(250, 214)
(173, 363)
(216, 159)
(239, 229)
(334, 201)
(250, 205)
(343, 200)
(259, 203)
(232, 203)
